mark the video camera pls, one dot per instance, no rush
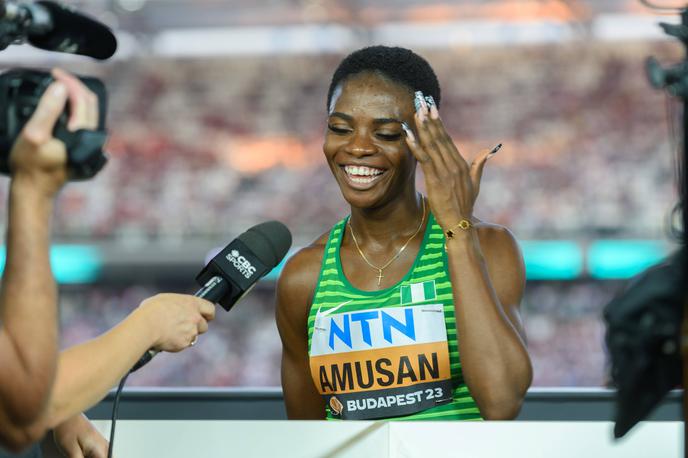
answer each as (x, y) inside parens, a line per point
(53, 27)
(20, 91)
(645, 324)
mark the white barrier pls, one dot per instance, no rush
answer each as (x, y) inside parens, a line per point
(321, 439)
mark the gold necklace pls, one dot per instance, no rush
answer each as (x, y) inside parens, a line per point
(394, 258)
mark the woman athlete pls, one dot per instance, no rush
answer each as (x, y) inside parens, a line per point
(409, 307)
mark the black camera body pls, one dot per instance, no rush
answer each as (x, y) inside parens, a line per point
(20, 91)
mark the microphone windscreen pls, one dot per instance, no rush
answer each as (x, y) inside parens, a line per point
(75, 33)
(268, 241)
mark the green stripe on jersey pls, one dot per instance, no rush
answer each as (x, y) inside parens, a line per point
(427, 282)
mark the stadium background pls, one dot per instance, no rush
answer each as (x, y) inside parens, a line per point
(217, 113)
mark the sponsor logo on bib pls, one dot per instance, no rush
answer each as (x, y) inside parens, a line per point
(381, 362)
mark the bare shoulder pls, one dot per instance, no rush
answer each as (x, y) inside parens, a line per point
(302, 269)
(297, 283)
(496, 239)
(504, 261)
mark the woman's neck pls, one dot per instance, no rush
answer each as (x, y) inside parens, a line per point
(390, 221)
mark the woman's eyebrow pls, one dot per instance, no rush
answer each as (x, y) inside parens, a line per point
(350, 118)
(344, 116)
(386, 120)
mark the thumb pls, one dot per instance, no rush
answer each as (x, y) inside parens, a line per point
(40, 126)
(477, 167)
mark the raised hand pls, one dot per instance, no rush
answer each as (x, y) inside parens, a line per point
(37, 156)
(453, 185)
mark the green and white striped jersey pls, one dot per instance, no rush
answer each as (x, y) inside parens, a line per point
(391, 353)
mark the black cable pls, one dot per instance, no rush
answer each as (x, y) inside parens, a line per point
(115, 410)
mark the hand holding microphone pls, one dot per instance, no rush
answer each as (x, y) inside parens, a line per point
(164, 322)
(177, 320)
(225, 279)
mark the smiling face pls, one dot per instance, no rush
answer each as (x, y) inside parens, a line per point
(365, 145)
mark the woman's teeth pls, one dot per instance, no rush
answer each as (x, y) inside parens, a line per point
(362, 174)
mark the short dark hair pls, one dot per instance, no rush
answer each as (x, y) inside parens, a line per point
(400, 65)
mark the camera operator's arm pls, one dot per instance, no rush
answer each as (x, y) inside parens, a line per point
(28, 298)
(85, 373)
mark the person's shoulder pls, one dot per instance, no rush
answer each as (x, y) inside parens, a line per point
(302, 270)
(500, 247)
(297, 283)
(497, 242)
(305, 261)
(494, 236)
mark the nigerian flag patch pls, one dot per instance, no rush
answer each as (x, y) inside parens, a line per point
(418, 292)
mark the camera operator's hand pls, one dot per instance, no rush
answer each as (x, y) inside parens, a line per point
(176, 320)
(37, 157)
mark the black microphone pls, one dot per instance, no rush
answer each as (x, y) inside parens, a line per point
(56, 27)
(238, 267)
(22, 19)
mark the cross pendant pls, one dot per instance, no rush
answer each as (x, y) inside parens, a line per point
(379, 277)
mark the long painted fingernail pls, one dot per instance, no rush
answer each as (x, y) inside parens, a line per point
(409, 132)
(421, 105)
(494, 150)
(434, 114)
(418, 100)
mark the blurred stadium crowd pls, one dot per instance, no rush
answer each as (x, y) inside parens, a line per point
(205, 147)
(201, 146)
